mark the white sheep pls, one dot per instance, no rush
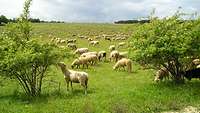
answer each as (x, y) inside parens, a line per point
(101, 55)
(80, 61)
(81, 51)
(89, 53)
(94, 43)
(114, 55)
(121, 44)
(161, 74)
(72, 46)
(71, 76)
(124, 62)
(112, 48)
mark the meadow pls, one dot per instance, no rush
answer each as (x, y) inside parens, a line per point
(109, 91)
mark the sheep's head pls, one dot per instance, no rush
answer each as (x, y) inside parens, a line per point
(61, 64)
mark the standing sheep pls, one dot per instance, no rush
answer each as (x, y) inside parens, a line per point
(71, 76)
(114, 55)
(101, 55)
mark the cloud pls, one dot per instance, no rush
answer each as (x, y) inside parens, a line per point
(97, 10)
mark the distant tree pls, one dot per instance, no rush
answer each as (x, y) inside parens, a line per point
(3, 20)
(167, 42)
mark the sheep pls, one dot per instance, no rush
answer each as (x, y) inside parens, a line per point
(72, 76)
(114, 55)
(62, 41)
(94, 43)
(111, 48)
(90, 39)
(161, 74)
(81, 51)
(101, 55)
(71, 40)
(92, 59)
(121, 44)
(196, 61)
(122, 63)
(80, 61)
(107, 38)
(89, 53)
(123, 55)
(198, 66)
(72, 45)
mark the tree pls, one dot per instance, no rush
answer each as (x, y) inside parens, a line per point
(23, 58)
(3, 20)
(170, 42)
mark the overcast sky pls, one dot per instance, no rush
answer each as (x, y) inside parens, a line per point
(96, 10)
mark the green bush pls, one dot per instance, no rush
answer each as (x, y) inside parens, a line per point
(170, 42)
(23, 58)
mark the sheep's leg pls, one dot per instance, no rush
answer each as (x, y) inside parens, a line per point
(71, 86)
(67, 86)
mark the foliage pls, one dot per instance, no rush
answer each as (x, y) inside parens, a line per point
(3, 20)
(23, 58)
(170, 42)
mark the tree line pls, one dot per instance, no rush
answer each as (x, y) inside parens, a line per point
(4, 20)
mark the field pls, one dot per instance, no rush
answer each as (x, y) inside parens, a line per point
(109, 90)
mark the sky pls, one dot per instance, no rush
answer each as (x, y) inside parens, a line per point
(97, 10)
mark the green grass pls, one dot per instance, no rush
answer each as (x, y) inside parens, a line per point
(108, 91)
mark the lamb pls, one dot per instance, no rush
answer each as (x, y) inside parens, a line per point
(121, 44)
(112, 48)
(94, 43)
(71, 76)
(81, 51)
(101, 55)
(161, 74)
(122, 63)
(114, 55)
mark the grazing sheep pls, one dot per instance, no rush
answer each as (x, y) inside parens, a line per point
(161, 74)
(121, 44)
(101, 55)
(81, 51)
(89, 53)
(122, 63)
(123, 55)
(80, 61)
(112, 48)
(72, 46)
(94, 43)
(114, 55)
(71, 76)
(92, 59)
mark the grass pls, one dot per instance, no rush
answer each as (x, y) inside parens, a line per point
(109, 91)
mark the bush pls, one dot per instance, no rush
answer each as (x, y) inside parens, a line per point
(170, 42)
